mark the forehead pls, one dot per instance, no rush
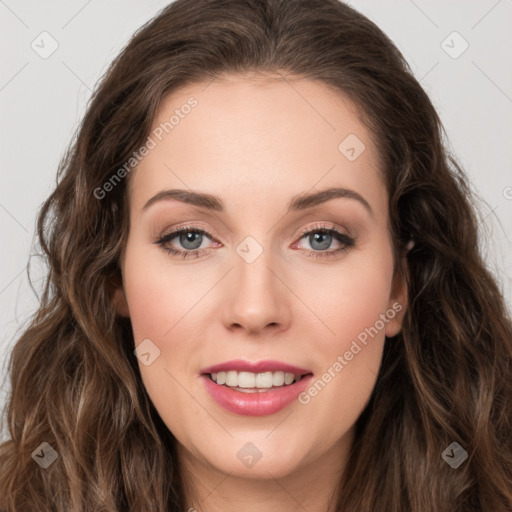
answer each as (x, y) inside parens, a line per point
(258, 137)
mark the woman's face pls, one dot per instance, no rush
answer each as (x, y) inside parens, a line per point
(246, 289)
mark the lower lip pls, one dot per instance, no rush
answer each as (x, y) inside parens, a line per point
(258, 403)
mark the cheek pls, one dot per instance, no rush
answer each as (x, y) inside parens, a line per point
(352, 304)
(166, 302)
(162, 300)
(160, 293)
(350, 299)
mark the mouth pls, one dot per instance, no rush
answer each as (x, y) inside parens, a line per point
(255, 389)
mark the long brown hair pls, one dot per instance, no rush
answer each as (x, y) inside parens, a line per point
(445, 378)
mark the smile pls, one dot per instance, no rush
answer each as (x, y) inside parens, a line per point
(267, 389)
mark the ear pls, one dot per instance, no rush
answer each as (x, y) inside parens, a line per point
(120, 303)
(398, 302)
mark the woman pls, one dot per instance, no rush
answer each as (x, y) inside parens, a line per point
(265, 290)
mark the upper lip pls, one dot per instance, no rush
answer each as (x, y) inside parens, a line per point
(241, 365)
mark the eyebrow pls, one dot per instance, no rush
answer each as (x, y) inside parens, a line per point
(300, 202)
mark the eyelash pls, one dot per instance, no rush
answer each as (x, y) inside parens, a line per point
(346, 240)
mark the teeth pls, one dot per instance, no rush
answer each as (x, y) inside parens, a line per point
(247, 380)
(278, 378)
(288, 378)
(232, 378)
(263, 380)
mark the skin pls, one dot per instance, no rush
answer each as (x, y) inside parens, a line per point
(256, 143)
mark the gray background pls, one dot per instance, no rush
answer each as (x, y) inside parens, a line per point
(43, 100)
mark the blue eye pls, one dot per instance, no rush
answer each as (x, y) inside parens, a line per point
(188, 237)
(321, 238)
(191, 238)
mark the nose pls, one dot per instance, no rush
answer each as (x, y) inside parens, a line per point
(258, 298)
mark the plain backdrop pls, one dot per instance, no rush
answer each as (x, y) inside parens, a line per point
(467, 74)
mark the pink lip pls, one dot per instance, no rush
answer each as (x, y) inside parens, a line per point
(258, 403)
(255, 404)
(240, 365)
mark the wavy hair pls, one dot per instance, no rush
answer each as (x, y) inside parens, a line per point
(445, 378)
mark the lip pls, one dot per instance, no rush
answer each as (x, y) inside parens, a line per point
(240, 365)
(258, 403)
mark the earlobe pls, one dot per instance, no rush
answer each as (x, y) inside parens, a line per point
(120, 303)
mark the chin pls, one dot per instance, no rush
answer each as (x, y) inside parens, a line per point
(257, 459)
